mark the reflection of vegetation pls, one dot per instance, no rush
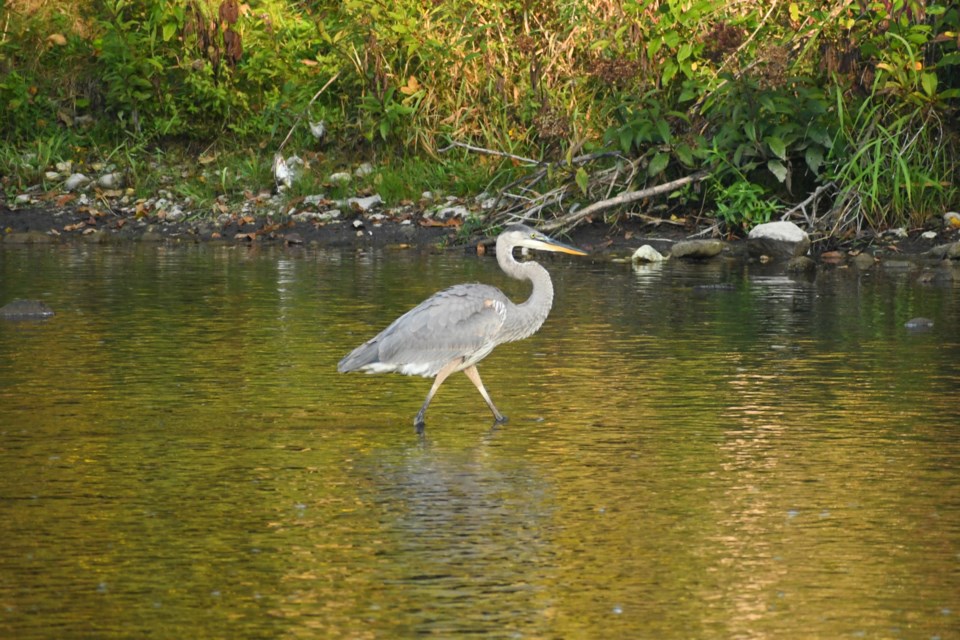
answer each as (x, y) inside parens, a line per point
(788, 96)
(178, 453)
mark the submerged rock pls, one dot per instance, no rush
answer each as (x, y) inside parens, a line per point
(713, 287)
(942, 251)
(20, 309)
(780, 240)
(29, 237)
(801, 264)
(696, 249)
(919, 324)
(863, 261)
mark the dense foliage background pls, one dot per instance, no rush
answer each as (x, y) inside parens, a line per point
(843, 110)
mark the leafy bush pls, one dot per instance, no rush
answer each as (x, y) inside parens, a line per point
(772, 99)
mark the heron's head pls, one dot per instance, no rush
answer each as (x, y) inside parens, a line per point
(520, 235)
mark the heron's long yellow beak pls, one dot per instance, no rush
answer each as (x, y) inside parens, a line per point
(544, 243)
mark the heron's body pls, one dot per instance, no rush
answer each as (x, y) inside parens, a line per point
(458, 327)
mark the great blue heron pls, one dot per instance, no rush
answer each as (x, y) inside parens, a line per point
(458, 327)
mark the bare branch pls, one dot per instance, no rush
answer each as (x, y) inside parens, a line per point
(489, 152)
(306, 109)
(623, 198)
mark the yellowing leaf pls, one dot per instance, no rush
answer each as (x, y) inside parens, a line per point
(308, 62)
(794, 12)
(57, 39)
(411, 87)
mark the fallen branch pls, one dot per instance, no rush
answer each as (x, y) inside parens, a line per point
(624, 198)
(812, 199)
(489, 152)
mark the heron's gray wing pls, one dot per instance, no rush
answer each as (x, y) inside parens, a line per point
(459, 322)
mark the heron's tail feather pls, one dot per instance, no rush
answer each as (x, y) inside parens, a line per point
(363, 356)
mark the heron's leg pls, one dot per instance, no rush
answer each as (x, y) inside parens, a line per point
(442, 375)
(474, 376)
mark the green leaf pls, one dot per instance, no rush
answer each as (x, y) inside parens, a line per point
(777, 146)
(814, 158)
(582, 179)
(820, 136)
(626, 140)
(669, 70)
(929, 82)
(685, 154)
(658, 164)
(653, 47)
(685, 50)
(169, 29)
(776, 168)
(663, 128)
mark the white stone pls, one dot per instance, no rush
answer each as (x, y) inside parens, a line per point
(23, 198)
(365, 204)
(363, 170)
(928, 235)
(76, 181)
(341, 176)
(51, 175)
(110, 181)
(459, 211)
(646, 253)
(65, 166)
(782, 239)
(782, 230)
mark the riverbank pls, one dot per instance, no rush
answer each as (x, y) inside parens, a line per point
(362, 222)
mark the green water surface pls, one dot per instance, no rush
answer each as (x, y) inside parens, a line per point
(180, 459)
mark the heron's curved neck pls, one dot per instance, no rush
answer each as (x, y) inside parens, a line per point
(530, 314)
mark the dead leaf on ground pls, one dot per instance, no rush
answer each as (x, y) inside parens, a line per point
(452, 222)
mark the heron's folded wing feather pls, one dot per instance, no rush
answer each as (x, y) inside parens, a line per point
(457, 322)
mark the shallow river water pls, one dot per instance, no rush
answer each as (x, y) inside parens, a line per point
(180, 459)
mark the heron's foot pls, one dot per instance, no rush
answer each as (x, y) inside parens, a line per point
(499, 418)
(419, 424)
